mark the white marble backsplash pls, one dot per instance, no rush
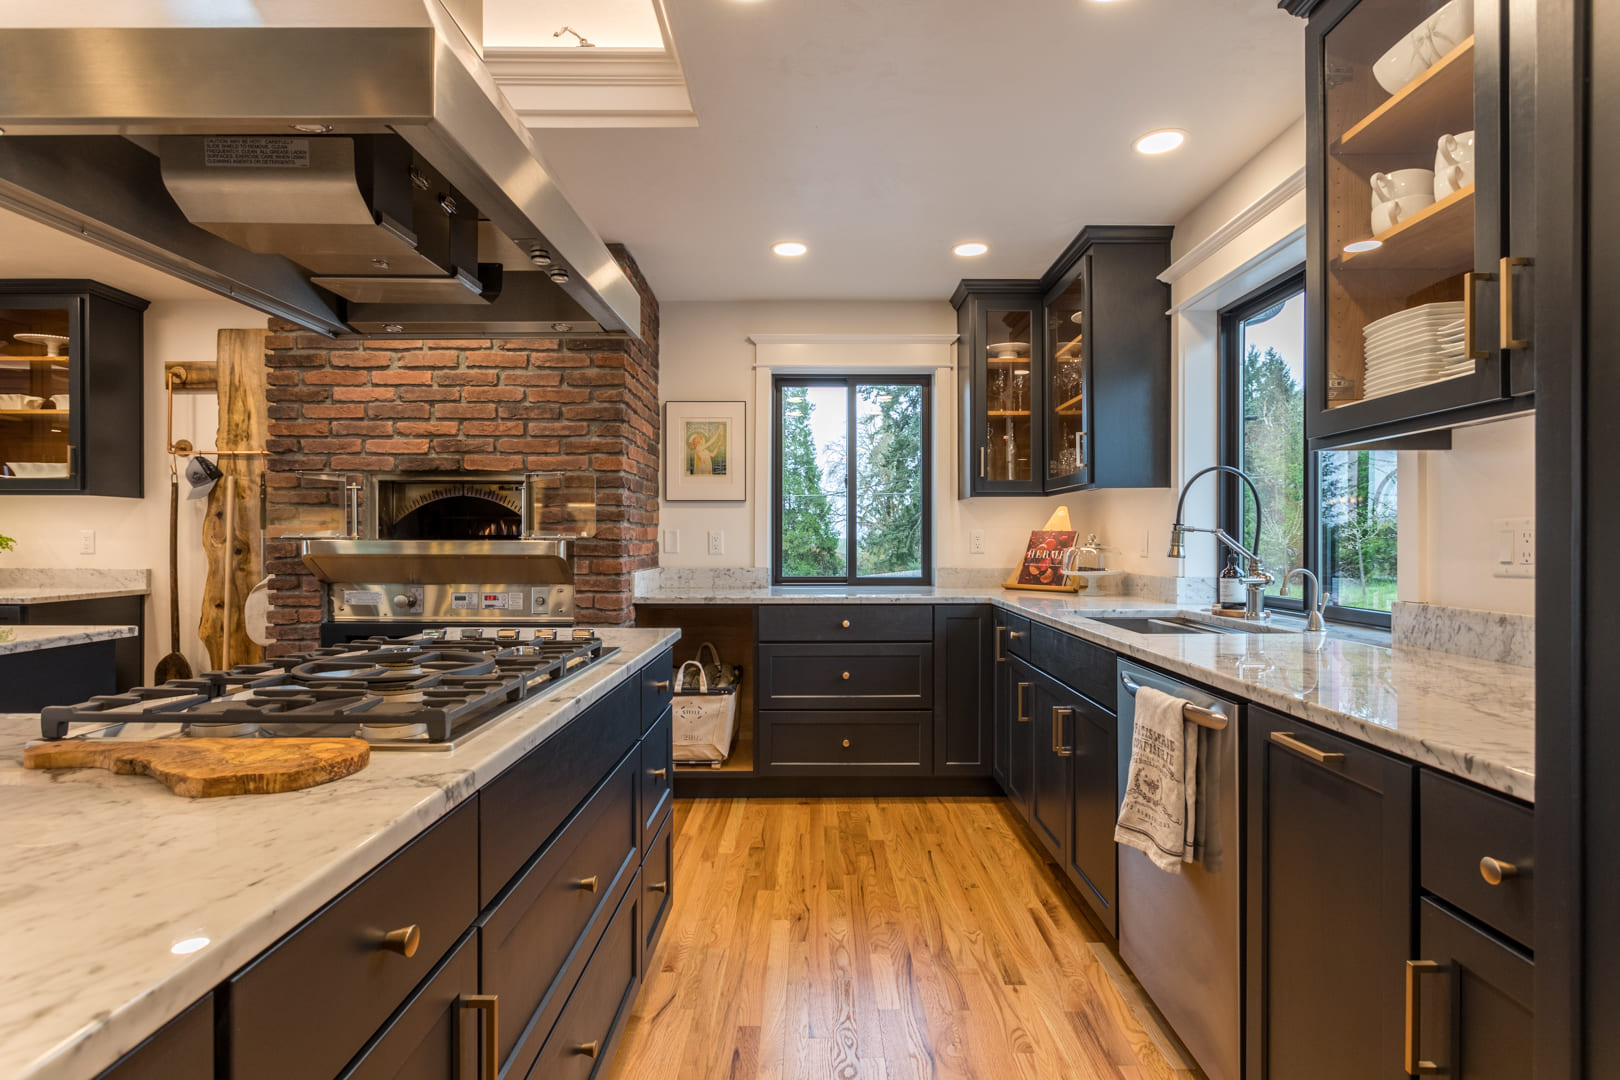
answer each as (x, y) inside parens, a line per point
(1182, 591)
(1485, 635)
(724, 579)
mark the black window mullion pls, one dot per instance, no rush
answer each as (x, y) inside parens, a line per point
(851, 572)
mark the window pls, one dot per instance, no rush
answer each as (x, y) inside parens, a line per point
(851, 471)
(1333, 512)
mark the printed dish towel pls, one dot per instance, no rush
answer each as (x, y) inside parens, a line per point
(1157, 817)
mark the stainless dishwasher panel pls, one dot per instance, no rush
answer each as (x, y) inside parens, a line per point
(1182, 934)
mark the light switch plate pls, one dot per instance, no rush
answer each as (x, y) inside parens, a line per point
(672, 541)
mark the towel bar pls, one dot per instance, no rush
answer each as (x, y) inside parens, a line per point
(1206, 718)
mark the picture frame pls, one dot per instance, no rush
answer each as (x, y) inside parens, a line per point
(705, 451)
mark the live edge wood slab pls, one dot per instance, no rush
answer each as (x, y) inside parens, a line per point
(204, 768)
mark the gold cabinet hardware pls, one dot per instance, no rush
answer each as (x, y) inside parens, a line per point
(846, 744)
(1415, 970)
(1001, 657)
(662, 686)
(489, 1064)
(587, 884)
(1469, 280)
(984, 458)
(1510, 340)
(846, 624)
(1022, 719)
(1013, 635)
(1496, 871)
(404, 941)
(1287, 741)
(589, 1049)
(1058, 713)
(659, 774)
(659, 886)
(846, 676)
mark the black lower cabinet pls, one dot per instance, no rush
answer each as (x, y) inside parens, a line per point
(182, 1049)
(1092, 863)
(1471, 1001)
(437, 1033)
(1329, 905)
(963, 689)
(128, 663)
(1051, 784)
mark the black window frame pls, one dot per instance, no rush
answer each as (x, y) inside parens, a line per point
(851, 383)
(1232, 318)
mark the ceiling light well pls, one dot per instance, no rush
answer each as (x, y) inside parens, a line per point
(1160, 142)
(789, 249)
(970, 249)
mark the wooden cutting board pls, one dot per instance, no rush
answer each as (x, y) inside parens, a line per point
(203, 768)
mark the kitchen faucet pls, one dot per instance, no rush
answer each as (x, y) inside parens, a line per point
(1255, 579)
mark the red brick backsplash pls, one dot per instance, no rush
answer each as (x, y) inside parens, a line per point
(500, 405)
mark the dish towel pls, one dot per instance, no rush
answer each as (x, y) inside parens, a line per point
(1158, 816)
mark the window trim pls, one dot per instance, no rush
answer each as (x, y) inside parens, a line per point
(1231, 450)
(852, 381)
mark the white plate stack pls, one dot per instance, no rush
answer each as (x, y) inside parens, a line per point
(1413, 347)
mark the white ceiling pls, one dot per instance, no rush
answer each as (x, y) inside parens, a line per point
(615, 24)
(31, 250)
(883, 133)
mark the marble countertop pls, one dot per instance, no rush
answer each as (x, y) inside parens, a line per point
(23, 639)
(43, 585)
(88, 916)
(1471, 718)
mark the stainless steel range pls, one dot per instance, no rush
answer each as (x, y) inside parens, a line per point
(428, 691)
(452, 549)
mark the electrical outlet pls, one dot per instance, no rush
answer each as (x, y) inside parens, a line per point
(717, 542)
(1514, 542)
(672, 541)
(976, 542)
(87, 541)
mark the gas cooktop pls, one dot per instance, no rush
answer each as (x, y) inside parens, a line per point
(428, 691)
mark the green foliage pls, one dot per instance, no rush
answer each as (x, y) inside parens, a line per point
(1359, 527)
(888, 479)
(7, 543)
(1274, 456)
(811, 544)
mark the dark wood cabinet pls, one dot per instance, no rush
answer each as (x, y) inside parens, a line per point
(182, 1049)
(128, 653)
(1020, 706)
(1328, 905)
(1000, 404)
(963, 690)
(436, 1034)
(1476, 851)
(867, 675)
(1051, 787)
(1092, 862)
(1471, 1001)
(1418, 313)
(71, 404)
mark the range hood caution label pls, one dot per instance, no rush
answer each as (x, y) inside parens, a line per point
(239, 152)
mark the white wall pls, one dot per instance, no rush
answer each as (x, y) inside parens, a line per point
(134, 533)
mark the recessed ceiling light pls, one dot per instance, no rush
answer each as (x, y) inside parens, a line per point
(188, 946)
(1363, 245)
(789, 248)
(1160, 142)
(971, 248)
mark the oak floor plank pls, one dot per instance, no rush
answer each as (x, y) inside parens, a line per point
(881, 939)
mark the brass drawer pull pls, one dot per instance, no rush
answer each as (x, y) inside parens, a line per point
(1022, 719)
(846, 744)
(1057, 731)
(1321, 757)
(1496, 871)
(662, 686)
(587, 884)
(1001, 657)
(404, 941)
(846, 624)
(984, 454)
(1510, 339)
(846, 676)
(489, 1064)
(659, 886)
(1415, 1064)
(589, 1049)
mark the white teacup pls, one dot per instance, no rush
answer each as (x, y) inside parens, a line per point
(1401, 183)
(1452, 179)
(1454, 150)
(1387, 215)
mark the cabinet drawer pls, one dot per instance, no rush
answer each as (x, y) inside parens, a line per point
(534, 942)
(657, 687)
(182, 1049)
(1012, 636)
(523, 806)
(432, 1036)
(331, 980)
(838, 740)
(582, 1040)
(657, 777)
(846, 622)
(1458, 826)
(880, 676)
(657, 883)
(1077, 663)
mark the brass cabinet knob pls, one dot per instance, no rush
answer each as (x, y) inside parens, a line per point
(846, 676)
(659, 774)
(588, 884)
(404, 941)
(1495, 871)
(846, 624)
(846, 744)
(589, 1049)
(659, 886)
(662, 686)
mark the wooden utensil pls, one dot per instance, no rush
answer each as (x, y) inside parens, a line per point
(174, 665)
(204, 768)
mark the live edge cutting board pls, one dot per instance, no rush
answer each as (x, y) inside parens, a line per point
(202, 768)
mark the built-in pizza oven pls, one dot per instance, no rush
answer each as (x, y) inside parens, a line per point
(450, 509)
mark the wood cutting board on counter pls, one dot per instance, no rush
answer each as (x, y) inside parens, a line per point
(204, 768)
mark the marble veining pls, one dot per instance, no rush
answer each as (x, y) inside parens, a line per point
(46, 585)
(88, 916)
(1471, 717)
(1485, 635)
(25, 639)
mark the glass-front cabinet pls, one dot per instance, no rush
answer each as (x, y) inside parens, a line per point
(1067, 384)
(71, 408)
(1420, 231)
(1000, 356)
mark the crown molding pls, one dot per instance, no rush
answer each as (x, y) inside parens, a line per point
(596, 87)
(1239, 223)
(852, 339)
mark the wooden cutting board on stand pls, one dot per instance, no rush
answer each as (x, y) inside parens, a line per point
(204, 768)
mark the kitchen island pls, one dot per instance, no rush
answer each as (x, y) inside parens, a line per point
(105, 876)
(60, 598)
(52, 665)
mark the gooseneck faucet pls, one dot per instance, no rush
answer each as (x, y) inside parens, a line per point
(1313, 597)
(1255, 579)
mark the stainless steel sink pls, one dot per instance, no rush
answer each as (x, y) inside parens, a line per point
(1176, 624)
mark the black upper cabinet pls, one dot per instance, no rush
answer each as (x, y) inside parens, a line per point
(1065, 382)
(1418, 313)
(71, 407)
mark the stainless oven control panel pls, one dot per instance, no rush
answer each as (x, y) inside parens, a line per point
(498, 603)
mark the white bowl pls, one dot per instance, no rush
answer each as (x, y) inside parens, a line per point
(32, 469)
(1406, 60)
(19, 401)
(1450, 26)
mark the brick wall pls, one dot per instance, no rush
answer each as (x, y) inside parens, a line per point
(501, 405)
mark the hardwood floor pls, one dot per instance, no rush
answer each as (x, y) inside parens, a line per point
(880, 939)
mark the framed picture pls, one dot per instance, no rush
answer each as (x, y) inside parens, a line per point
(705, 451)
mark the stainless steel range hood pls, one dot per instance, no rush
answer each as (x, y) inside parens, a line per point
(349, 166)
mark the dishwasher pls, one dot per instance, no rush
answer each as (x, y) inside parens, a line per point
(1181, 934)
